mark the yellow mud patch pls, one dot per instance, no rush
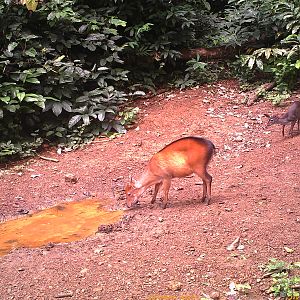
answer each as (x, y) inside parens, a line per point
(66, 222)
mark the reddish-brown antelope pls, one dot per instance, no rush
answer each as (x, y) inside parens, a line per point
(291, 116)
(179, 159)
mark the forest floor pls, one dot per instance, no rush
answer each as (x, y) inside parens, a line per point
(180, 252)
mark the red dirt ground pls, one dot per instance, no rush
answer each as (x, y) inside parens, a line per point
(180, 251)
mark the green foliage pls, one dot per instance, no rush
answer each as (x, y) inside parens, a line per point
(67, 68)
(244, 21)
(195, 73)
(284, 285)
(156, 32)
(243, 287)
(19, 149)
(277, 97)
(128, 116)
(62, 72)
(199, 72)
(273, 24)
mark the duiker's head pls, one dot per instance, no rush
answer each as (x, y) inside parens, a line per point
(272, 120)
(131, 192)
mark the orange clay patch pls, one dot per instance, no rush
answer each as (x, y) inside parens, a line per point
(66, 222)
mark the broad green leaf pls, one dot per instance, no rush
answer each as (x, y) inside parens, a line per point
(49, 133)
(260, 64)
(12, 108)
(297, 64)
(67, 106)
(86, 119)
(103, 69)
(117, 22)
(57, 108)
(74, 120)
(60, 58)
(31, 98)
(12, 46)
(52, 98)
(110, 110)
(110, 31)
(83, 28)
(101, 115)
(32, 80)
(31, 52)
(59, 134)
(251, 62)
(21, 95)
(5, 99)
(40, 104)
(268, 53)
(295, 29)
(82, 99)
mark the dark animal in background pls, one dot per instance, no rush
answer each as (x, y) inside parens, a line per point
(290, 117)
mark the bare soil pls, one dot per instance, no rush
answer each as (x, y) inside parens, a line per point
(179, 252)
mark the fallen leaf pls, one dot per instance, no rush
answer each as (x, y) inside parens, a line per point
(288, 250)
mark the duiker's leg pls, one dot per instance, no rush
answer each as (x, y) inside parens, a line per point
(156, 189)
(166, 187)
(292, 127)
(207, 179)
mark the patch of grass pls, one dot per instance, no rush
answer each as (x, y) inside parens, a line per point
(285, 278)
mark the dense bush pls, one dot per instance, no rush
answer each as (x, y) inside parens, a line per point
(68, 67)
(270, 32)
(60, 68)
(63, 75)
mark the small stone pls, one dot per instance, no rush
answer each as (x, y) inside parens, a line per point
(239, 139)
(240, 247)
(35, 175)
(105, 228)
(176, 188)
(234, 244)
(175, 285)
(215, 295)
(158, 233)
(71, 178)
(83, 271)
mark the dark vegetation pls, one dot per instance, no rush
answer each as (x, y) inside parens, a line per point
(68, 68)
